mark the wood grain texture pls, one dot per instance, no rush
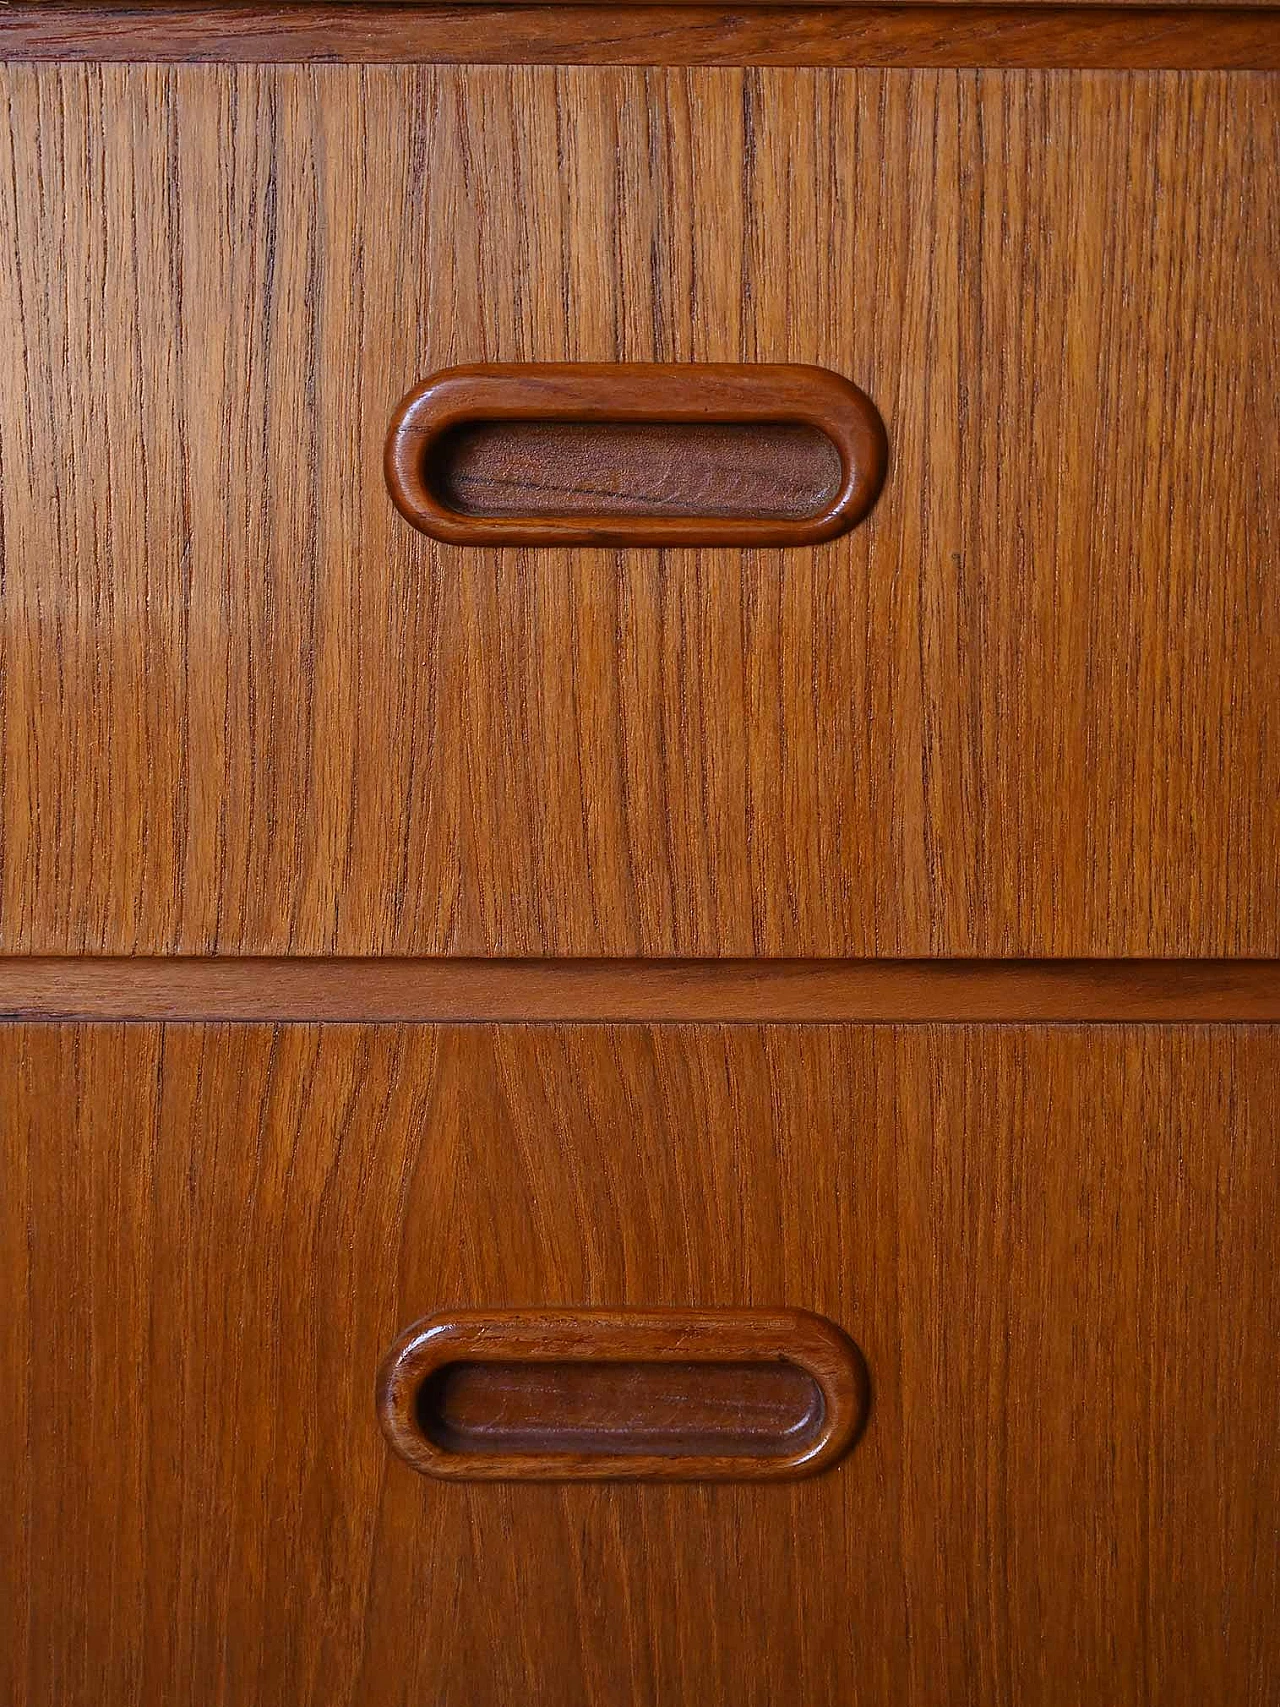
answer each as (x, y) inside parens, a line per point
(1174, 37)
(484, 1408)
(1056, 1248)
(647, 468)
(642, 1395)
(1029, 708)
(733, 991)
(679, 402)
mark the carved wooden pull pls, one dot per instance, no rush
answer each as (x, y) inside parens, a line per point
(685, 454)
(658, 1395)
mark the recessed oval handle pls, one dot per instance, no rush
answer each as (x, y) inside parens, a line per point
(655, 1395)
(660, 454)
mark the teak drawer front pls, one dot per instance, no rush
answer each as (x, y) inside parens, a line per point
(1028, 707)
(1054, 1245)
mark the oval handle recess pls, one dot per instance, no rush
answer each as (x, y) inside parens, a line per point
(654, 1395)
(659, 454)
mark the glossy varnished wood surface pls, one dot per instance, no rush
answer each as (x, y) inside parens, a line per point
(590, 991)
(1055, 1247)
(1177, 37)
(1028, 708)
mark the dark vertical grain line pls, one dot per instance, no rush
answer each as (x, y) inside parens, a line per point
(316, 275)
(16, 320)
(265, 691)
(173, 222)
(360, 315)
(749, 349)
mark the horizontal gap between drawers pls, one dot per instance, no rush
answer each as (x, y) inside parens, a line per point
(642, 991)
(1122, 37)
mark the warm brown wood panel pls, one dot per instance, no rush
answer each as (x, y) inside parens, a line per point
(1122, 36)
(1028, 708)
(1055, 1247)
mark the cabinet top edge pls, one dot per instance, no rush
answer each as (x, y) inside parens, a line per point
(944, 34)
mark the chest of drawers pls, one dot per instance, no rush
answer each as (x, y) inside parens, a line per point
(782, 1004)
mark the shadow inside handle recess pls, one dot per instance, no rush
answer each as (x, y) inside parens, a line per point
(750, 470)
(739, 1410)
